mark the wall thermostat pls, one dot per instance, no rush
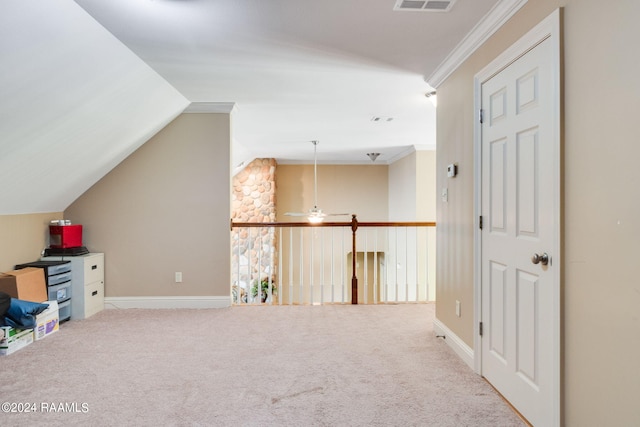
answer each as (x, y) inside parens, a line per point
(452, 170)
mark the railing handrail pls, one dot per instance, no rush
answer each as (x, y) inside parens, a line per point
(334, 224)
(398, 224)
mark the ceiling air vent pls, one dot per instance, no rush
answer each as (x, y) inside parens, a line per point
(424, 5)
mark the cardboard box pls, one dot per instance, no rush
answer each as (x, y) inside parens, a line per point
(27, 284)
(47, 322)
(12, 339)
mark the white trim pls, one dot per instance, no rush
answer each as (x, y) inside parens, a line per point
(477, 233)
(401, 154)
(404, 152)
(338, 162)
(167, 302)
(547, 28)
(535, 36)
(210, 107)
(490, 23)
(410, 150)
(459, 347)
(425, 147)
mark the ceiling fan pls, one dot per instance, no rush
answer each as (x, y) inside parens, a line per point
(315, 214)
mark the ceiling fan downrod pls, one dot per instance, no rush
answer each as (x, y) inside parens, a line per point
(315, 174)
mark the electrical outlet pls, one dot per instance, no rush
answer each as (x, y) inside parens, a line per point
(458, 308)
(178, 277)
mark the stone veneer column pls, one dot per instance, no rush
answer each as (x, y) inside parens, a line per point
(254, 255)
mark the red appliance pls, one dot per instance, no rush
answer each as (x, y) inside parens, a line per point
(65, 236)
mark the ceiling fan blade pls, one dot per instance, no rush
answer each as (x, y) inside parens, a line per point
(318, 213)
(314, 215)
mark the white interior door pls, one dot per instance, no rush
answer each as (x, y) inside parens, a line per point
(519, 237)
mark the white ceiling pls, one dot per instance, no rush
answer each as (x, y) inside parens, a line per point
(83, 84)
(300, 70)
(73, 104)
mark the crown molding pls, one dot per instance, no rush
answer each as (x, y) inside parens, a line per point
(402, 154)
(492, 21)
(210, 107)
(425, 147)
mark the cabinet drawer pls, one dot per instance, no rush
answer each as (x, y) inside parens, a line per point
(93, 269)
(61, 292)
(64, 311)
(93, 298)
(59, 278)
(59, 268)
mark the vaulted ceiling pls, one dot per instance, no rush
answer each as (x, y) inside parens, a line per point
(85, 83)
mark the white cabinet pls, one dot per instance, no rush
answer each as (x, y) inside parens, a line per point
(87, 283)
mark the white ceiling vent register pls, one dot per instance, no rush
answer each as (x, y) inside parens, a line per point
(424, 5)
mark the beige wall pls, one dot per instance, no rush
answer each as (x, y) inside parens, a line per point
(23, 238)
(426, 185)
(360, 190)
(403, 185)
(601, 295)
(412, 187)
(165, 209)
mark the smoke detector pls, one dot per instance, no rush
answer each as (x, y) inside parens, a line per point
(424, 5)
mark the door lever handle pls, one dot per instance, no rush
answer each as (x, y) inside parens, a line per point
(540, 259)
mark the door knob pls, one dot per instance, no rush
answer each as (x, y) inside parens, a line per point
(540, 259)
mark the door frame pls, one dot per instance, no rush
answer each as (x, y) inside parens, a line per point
(549, 28)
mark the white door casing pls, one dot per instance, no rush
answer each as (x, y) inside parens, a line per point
(518, 159)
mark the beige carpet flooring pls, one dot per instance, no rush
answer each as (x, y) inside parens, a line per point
(334, 365)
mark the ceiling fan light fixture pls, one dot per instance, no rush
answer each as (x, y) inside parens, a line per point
(373, 156)
(314, 219)
(315, 215)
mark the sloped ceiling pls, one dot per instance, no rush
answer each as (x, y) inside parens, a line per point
(74, 103)
(84, 83)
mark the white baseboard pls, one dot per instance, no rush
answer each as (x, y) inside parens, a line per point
(168, 302)
(460, 347)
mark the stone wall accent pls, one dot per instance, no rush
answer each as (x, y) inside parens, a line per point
(254, 254)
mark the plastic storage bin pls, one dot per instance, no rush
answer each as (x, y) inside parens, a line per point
(60, 293)
(64, 310)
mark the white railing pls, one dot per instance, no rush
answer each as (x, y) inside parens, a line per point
(301, 263)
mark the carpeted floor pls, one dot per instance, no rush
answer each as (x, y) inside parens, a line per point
(333, 365)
